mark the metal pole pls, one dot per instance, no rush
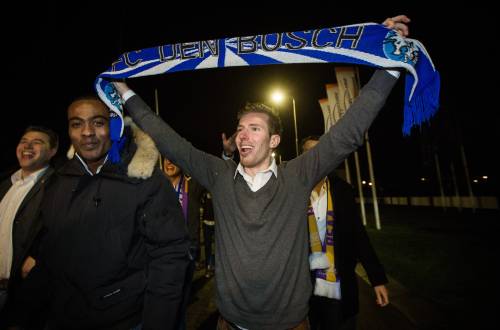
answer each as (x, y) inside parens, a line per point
(357, 88)
(455, 186)
(440, 181)
(372, 180)
(295, 126)
(467, 178)
(347, 171)
(360, 189)
(157, 108)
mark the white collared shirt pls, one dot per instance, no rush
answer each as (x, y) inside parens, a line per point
(260, 178)
(87, 168)
(319, 203)
(8, 210)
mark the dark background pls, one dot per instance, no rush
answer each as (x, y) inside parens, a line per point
(52, 52)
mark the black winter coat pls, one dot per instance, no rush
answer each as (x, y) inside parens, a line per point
(114, 252)
(352, 246)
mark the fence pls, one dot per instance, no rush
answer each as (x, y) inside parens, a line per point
(480, 202)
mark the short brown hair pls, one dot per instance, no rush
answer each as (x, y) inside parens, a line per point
(308, 138)
(273, 121)
(53, 137)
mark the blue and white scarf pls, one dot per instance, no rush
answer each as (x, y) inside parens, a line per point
(367, 44)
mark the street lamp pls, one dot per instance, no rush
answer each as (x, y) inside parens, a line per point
(277, 97)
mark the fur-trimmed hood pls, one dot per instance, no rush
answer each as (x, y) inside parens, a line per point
(146, 155)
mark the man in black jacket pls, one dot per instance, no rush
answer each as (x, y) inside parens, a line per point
(189, 193)
(20, 198)
(334, 304)
(115, 251)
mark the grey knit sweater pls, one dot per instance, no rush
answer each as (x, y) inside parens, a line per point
(262, 271)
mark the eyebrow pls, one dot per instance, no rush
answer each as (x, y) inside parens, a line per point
(91, 118)
(251, 125)
(37, 139)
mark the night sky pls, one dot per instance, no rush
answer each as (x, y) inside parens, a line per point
(52, 54)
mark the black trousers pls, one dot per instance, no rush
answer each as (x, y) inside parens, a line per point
(181, 322)
(208, 234)
(326, 314)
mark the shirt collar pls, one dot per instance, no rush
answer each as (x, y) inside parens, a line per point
(87, 168)
(17, 176)
(273, 168)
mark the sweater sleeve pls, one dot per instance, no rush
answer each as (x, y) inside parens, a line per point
(200, 165)
(348, 134)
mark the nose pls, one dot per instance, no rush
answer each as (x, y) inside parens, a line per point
(88, 130)
(242, 135)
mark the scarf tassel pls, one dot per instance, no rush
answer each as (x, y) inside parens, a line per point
(423, 106)
(327, 289)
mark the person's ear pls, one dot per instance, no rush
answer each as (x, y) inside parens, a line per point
(275, 141)
(52, 152)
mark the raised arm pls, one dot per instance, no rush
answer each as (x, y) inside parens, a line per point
(202, 166)
(348, 134)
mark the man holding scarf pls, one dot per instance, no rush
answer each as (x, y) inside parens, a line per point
(189, 193)
(262, 271)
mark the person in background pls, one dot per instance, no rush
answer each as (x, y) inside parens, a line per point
(341, 241)
(189, 193)
(21, 195)
(208, 235)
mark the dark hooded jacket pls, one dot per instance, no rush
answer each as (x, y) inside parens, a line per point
(115, 246)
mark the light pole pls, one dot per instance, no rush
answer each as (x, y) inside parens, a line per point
(295, 126)
(278, 96)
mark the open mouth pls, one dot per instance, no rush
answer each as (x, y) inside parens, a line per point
(245, 150)
(27, 154)
(170, 168)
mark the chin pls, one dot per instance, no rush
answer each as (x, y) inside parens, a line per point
(248, 164)
(91, 157)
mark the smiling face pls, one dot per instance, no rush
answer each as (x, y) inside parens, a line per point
(34, 152)
(172, 171)
(254, 142)
(89, 130)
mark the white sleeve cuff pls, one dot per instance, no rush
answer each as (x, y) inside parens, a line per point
(226, 157)
(394, 73)
(128, 94)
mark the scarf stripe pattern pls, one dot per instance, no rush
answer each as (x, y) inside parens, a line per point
(323, 271)
(365, 44)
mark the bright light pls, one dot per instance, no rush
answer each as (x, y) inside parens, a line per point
(475, 181)
(277, 96)
(363, 182)
(273, 154)
(485, 177)
(369, 183)
(423, 179)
